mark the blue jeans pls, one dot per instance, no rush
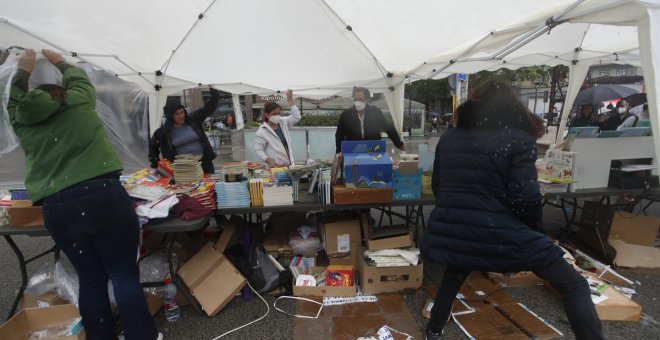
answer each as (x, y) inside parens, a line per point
(95, 225)
(574, 290)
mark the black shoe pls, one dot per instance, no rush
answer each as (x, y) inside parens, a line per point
(433, 336)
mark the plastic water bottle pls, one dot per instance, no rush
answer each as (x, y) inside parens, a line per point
(172, 311)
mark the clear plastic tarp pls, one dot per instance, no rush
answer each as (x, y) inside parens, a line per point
(123, 107)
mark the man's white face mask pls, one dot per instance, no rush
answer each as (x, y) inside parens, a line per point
(622, 110)
(360, 106)
(274, 119)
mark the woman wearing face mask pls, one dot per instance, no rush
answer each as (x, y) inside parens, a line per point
(272, 140)
(620, 119)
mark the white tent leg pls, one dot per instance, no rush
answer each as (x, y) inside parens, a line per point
(395, 102)
(648, 33)
(575, 79)
(156, 102)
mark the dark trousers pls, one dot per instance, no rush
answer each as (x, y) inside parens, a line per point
(95, 225)
(573, 288)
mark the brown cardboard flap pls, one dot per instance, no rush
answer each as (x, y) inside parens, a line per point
(408, 167)
(343, 195)
(229, 235)
(635, 256)
(25, 216)
(634, 229)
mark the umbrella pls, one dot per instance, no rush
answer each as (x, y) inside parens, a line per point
(597, 94)
(636, 99)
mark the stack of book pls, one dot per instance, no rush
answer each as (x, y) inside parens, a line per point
(235, 168)
(205, 195)
(232, 194)
(187, 169)
(274, 194)
(256, 192)
(301, 265)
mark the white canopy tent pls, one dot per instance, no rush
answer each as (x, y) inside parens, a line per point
(325, 47)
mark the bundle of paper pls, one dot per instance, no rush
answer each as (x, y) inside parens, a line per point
(232, 194)
(187, 169)
(235, 168)
(392, 257)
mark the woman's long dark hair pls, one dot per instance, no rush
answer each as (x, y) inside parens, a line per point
(495, 105)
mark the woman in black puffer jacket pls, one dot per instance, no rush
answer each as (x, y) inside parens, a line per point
(488, 215)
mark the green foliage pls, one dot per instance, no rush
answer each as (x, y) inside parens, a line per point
(533, 73)
(318, 120)
(252, 124)
(430, 92)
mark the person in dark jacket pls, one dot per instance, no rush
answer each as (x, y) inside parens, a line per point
(488, 213)
(584, 117)
(619, 119)
(183, 133)
(364, 122)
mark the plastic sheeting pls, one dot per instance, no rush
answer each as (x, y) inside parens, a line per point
(123, 107)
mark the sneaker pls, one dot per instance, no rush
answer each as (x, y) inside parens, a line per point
(433, 336)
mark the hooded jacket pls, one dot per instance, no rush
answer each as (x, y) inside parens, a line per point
(161, 141)
(64, 143)
(268, 145)
(489, 207)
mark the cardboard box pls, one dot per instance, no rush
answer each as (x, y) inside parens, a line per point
(389, 237)
(633, 237)
(521, 279)
(341, 236)
(25, 216)
(320, 291)
(376, 280)
(407, 186)
(211, 277)
(366, 164)
(32, 319)
(40, 301)
(347, 196)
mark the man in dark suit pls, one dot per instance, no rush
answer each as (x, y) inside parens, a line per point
(364, 122)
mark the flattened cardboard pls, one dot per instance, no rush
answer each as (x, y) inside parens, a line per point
(389, 237)
(352, 321)
(336, 236)
(635, 256)
(34, 318)
(634, 229)
(376, 280)
(210, 276)
(521, 279)
(616, 308)
(25, 216)
(497, 314)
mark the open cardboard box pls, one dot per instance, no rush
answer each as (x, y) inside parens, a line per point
(320, 291)
(376, 280)
(32, 319)
(211, 277)
(387, 237)
(39, 301)
(633, 236)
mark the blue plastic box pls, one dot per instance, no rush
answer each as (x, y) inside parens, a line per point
(366, 164)
(407, 187)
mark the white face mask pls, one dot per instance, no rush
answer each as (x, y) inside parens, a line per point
(360, 105)
(274, 119)
(622, 110)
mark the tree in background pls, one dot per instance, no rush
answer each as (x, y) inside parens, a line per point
(434, 94)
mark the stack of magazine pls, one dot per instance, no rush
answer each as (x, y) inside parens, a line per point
(232, 194)
(187, 169)
(256, 192)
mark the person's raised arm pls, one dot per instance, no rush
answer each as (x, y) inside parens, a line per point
(295, 116)
(79, 89)
(19, 86)
(201, 114)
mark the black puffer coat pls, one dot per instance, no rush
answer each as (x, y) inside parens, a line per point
(488, 212)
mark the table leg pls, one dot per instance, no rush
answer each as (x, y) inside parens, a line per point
(21, 264)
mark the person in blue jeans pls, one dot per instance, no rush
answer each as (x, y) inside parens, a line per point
(72, 171)
(489, 213)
